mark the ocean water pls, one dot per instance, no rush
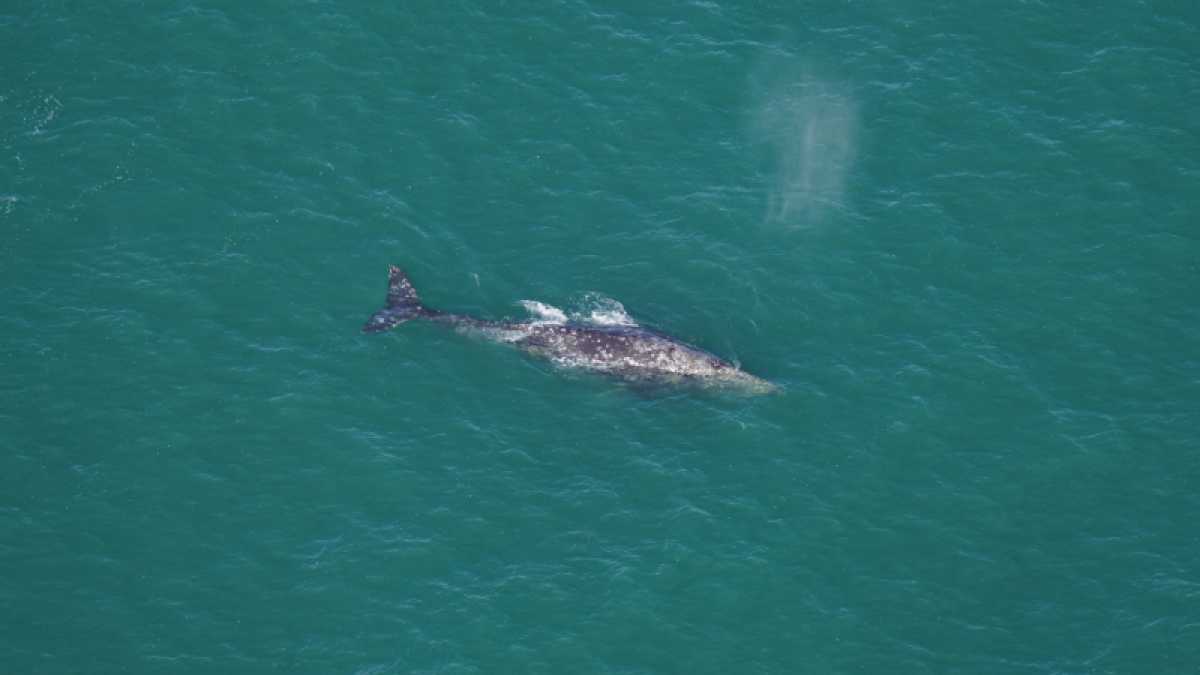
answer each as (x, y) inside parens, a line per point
(963, 238)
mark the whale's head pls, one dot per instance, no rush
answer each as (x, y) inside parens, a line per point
(720, 373)
(735, 378)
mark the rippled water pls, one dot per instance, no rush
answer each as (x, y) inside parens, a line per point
(963, 238)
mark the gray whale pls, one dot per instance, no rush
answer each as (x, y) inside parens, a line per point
(630, 352)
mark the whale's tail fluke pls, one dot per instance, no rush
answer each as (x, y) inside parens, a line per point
(402, 305)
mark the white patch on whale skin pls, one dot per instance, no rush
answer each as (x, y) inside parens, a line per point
(515, 334)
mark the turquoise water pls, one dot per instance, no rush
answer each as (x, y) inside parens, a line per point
(962, 238)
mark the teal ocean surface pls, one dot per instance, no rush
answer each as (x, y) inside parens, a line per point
(962, 237)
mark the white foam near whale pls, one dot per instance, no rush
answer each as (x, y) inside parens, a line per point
(545, 313)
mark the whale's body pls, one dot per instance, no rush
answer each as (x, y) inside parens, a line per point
(627, 351)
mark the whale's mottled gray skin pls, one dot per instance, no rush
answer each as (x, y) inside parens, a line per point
(630, 352)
